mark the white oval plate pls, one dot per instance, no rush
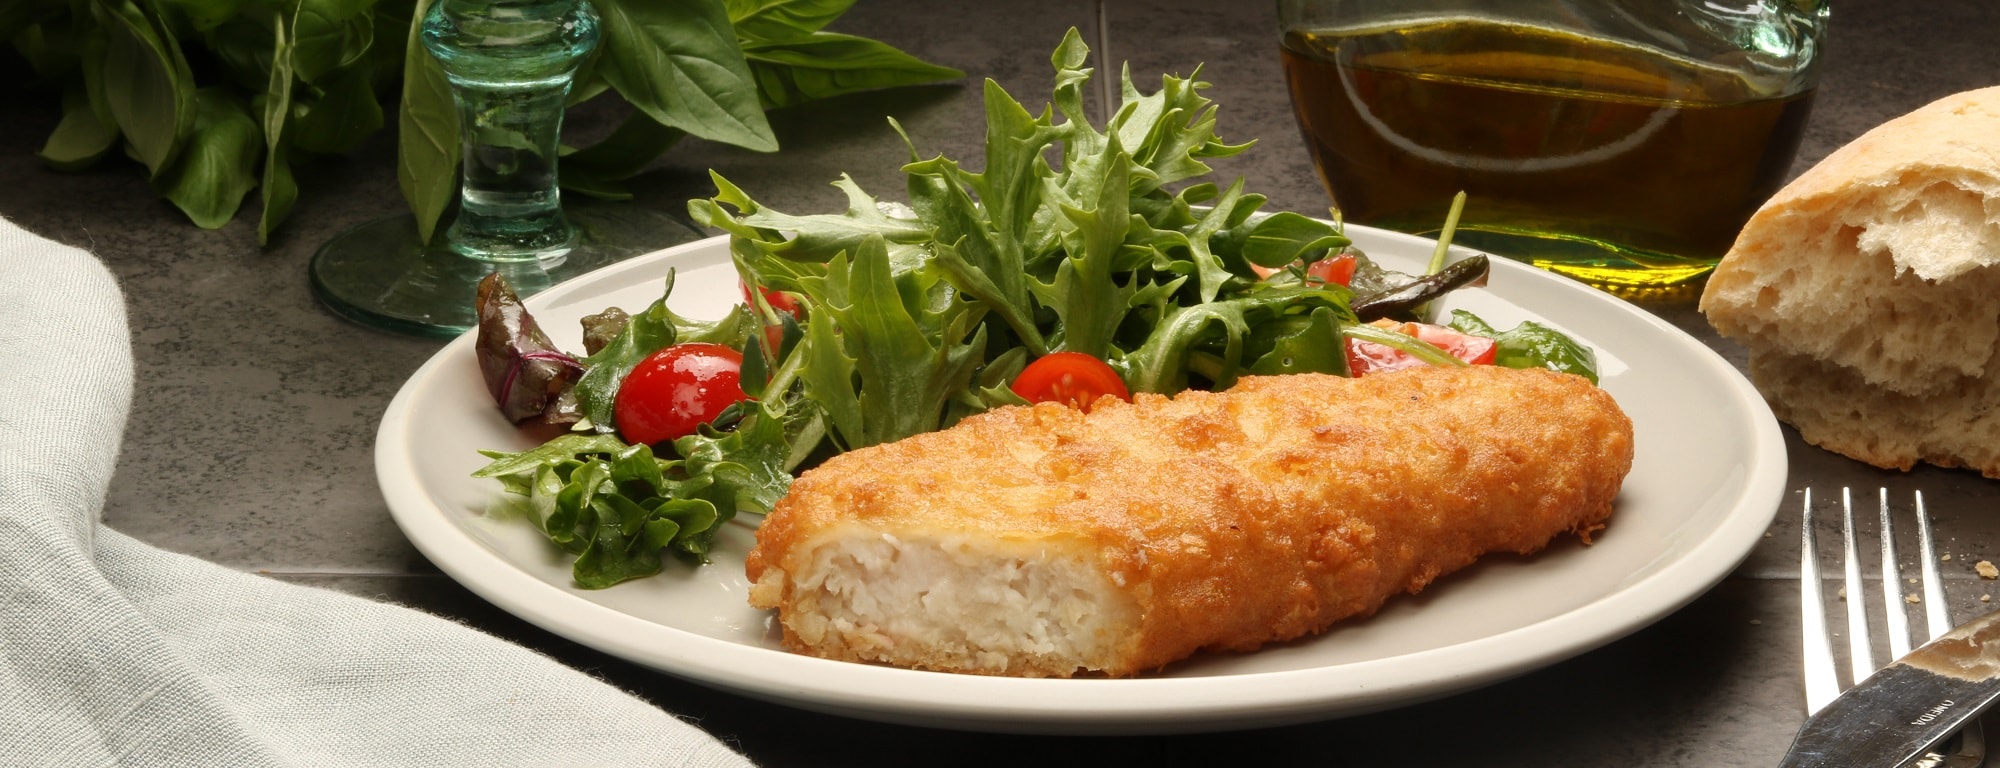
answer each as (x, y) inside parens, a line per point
(1709, 475)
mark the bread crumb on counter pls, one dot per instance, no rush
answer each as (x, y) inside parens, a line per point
(1986, 570)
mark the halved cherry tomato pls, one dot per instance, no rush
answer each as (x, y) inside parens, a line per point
(1338, 270)
(1367, 356)
(677, 389)
(779, 300)
(1069, 377)
(774, 334)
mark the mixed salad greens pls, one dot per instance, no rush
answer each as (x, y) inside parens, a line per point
(1095, 247)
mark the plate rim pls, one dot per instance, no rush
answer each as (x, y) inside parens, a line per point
(1100, 706)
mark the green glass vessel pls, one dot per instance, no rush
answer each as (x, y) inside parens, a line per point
(510, 64)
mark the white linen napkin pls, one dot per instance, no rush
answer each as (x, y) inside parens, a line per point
(113, 652)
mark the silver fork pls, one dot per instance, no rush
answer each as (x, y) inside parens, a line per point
(1968, 748)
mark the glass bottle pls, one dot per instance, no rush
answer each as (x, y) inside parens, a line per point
(1620, 142)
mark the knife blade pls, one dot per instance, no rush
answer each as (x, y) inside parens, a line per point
(1907, 707)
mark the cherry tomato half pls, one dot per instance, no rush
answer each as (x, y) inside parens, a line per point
(677, 389)
(1367, 356)
(1335, 269)
(779, 300)
(774, 334)
(1073, 378)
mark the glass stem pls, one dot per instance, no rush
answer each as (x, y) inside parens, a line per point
(510, 208)
(510, 64)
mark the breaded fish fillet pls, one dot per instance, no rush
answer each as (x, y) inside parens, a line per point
(1043, 541)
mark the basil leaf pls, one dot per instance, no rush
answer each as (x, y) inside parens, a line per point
(331, 35)
(678, 61)
(426, 134)
(280, 190)
(52, 49)
(16, 17)
(765, 20)
(204, 15)
(345, 113)
(636, 142)
(1531, 345)
(1312, 344)
(217, 168)
(81, 137)
(147, 85)
(242, 45)
(826, 64)
(1284, 237)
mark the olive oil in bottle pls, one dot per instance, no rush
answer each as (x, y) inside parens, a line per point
(1616, 165)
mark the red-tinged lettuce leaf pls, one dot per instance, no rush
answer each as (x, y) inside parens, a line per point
(528, 377)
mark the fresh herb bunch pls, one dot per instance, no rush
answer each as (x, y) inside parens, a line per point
(1070, 238)
(219, 97)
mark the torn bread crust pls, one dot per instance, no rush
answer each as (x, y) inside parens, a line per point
(1864, 291)
(1041, 541)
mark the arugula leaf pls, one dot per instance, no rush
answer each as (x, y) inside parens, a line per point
(979, 259)
(1085, 293)
(617, 507)
(1223, 328)
(644, 333)
(817, 237)
(1172, 131)
(909, 356)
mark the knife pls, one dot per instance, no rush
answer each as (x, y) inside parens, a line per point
(1902, 710)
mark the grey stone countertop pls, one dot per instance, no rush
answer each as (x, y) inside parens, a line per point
(250, 440)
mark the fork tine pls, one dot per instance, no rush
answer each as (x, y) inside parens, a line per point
(1894, 612)
(1861, 653)
(1934, 608)
(1967, 749)
(1822, 681)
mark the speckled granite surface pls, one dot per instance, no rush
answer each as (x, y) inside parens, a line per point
(250, 441)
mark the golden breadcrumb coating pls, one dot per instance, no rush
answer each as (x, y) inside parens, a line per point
(1045, 541)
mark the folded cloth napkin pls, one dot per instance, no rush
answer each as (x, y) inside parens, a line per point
(113, 652)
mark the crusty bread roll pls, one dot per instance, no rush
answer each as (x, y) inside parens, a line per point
(1868, 294)
(1045, 542)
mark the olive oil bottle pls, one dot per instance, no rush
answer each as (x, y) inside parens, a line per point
(1620, 166)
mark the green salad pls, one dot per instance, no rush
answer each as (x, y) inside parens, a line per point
(1079, 261)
